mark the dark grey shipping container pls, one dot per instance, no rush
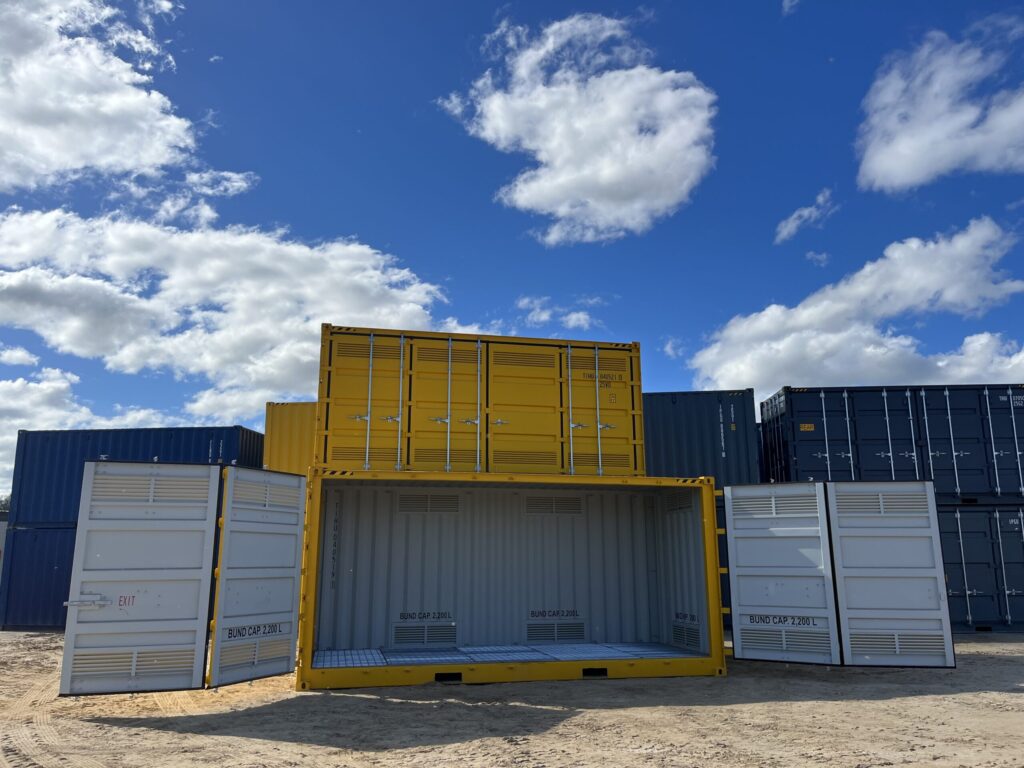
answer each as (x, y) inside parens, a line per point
(983, 556)
(45, 498)
(690, 434)
(966, 439)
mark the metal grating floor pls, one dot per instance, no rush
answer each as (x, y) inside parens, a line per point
(482, 654)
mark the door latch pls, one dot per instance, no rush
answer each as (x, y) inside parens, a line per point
(88, 601)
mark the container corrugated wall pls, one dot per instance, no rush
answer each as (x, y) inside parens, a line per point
(288, 443)
(36, 576)
(36, 572)
(397, 401)
(48, 465)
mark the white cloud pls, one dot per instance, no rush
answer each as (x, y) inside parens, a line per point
(46, 400)
(789, 6)
(17, 356)
(578, 319)
(216, 58)
(817, 259)
(70, 104)
(673, 348)
(842, 333)
(225, 183)
(816, 213)
(238, 308)
(537, 307)
(945, 107)
(618, 143)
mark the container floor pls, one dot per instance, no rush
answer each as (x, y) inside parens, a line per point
(482, 654)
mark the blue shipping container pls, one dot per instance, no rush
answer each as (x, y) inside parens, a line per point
(967, 439)
(46, 495)
(36, 577)
(48, 465)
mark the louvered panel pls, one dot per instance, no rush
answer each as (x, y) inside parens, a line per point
(796, 505)
(582, 361)
(858, 504)
(748, 506)
(762, 639)
(911, 643)
(112, 488)
(905, 503)
(103, 663)
(618, 460)
(869, 643)
(273, 649)
(546, 458)
(180, 489)
(554, 504)
(237, 655)
(171, 662)
(570, 632)
(540, 632)
(353, 455)
(807, 641)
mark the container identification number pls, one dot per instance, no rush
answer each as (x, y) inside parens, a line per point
(686, 616)
(807, 427)
(255, 630)
(425, 615)
(784, 621)
(557, 613)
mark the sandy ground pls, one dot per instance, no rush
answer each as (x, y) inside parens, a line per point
(760, 715)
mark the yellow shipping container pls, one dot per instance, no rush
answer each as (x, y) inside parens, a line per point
(438, 402)
(288, 445)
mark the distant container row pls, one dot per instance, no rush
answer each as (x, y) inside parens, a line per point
(967, 440)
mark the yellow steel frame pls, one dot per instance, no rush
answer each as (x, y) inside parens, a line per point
(308, 678)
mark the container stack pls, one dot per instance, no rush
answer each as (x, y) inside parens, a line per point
(967, 440)
(478, 510)
(46, 495)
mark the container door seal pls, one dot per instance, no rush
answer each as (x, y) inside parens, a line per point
(255, 624)
(140, 584)
(780, 574)
(890, 584)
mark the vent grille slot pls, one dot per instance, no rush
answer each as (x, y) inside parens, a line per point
(440, 355)
(905, 503)
(859, 503)
(260, 495)
(410, 634)
(775, 506)
(873, 642)
(424, 634)
(107, 488)
(556, 632)
(175, 662)
(548, 459)
(807, 641)
(274, 649)
(438, 634)
(686, 635)
(108, 663)
(582, 362)
(762, 639)
(678, 501)
(540, 633)
(566, 505)
(241, 655)
(359, 454)
(921, 643)
(607, 459)
(362, 350)
(525, 359)
(458, 455)
(421, 502)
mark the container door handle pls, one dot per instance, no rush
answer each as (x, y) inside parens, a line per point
(360, 416)
(499, 422)
(470, 421)
(440, 419)
(606, 426)
(390, 419)
(88, 601)
(577, 426)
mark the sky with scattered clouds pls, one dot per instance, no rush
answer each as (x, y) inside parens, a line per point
(761, 193)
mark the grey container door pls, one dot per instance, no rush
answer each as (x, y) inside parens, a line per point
(890, 588)
(256, 610)
(140, 584)
(780, 572)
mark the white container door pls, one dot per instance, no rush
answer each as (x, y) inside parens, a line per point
(889, 578)
(140, 587)
(257, 603)
(780, 573)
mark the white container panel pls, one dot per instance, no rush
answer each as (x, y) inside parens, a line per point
(140, 585)
(256, 609)
(783, 606)
(889, 580)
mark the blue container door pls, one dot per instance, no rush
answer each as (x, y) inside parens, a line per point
(1007, 428)
(958, 441)
(1010, 526)
(884, 436)
(817, 436)
(37, 575)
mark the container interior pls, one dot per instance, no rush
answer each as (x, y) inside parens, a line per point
(452, 573)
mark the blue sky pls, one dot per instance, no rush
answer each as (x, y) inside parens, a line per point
(189, 190)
